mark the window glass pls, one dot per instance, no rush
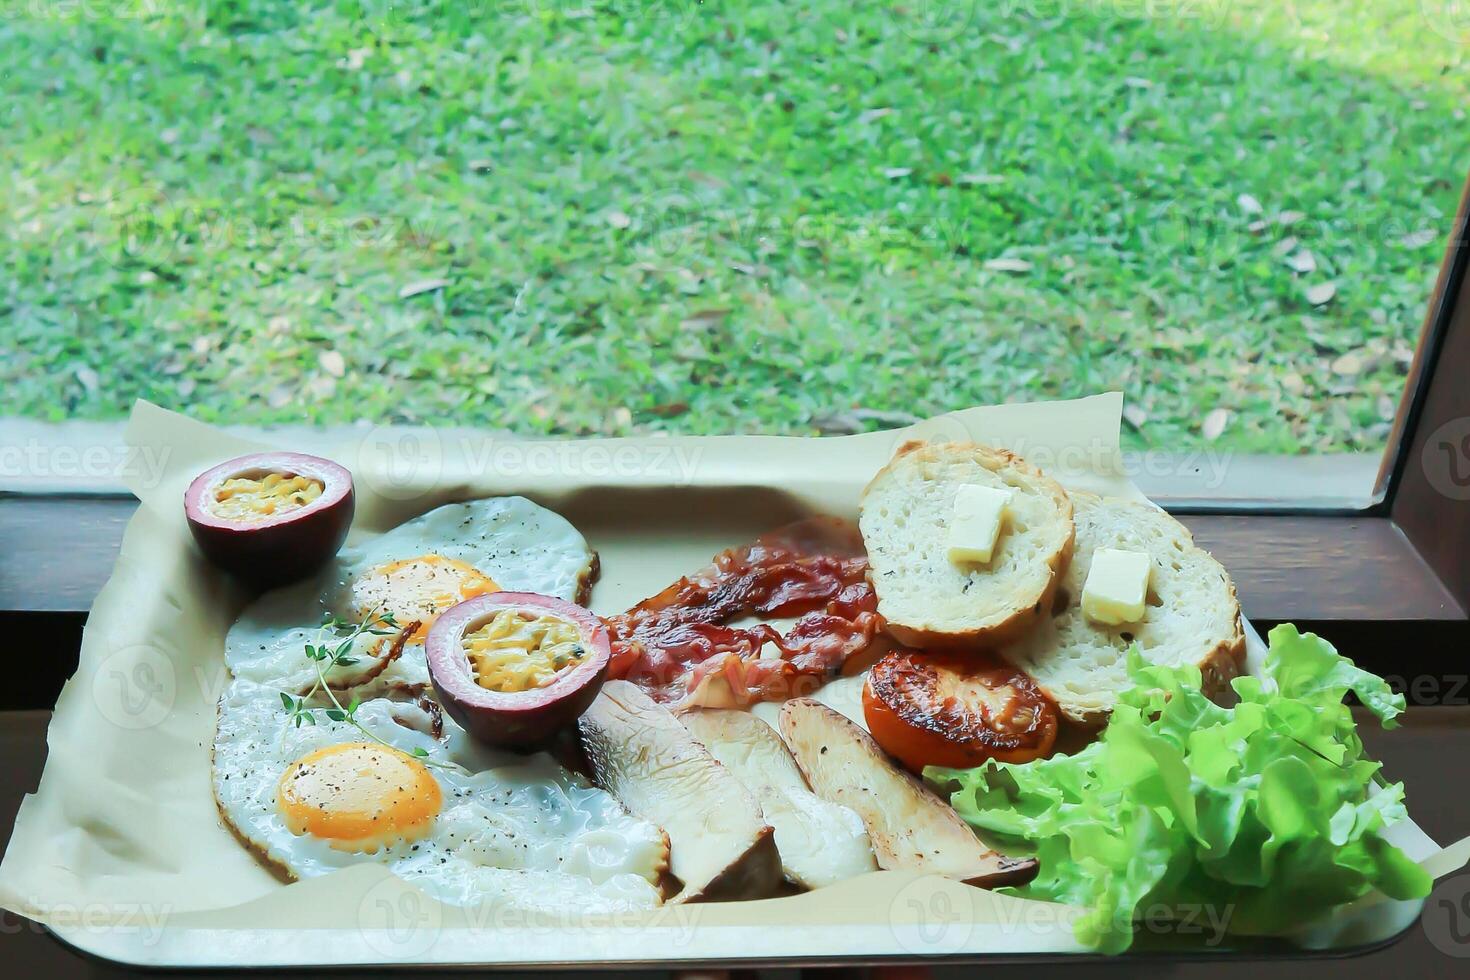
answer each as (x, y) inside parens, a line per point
(580, 217)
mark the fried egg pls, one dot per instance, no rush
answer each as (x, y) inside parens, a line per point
(413, 572)
(465, 823)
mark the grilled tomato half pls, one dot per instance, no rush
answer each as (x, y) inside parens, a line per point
(514, 668)
(270, 518)
(935, 709)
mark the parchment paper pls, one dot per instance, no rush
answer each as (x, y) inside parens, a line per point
(121, 849)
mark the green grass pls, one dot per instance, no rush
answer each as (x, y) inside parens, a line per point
(724, 216)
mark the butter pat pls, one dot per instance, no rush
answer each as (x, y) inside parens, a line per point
(975, 527)
(1117, 586)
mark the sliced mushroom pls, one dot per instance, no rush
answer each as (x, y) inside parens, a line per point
(911, 828)
(820, 842)
(720, 845)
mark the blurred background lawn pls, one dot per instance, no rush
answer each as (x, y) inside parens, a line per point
(573, 216)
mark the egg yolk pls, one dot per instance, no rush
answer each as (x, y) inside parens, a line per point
(358, 796)
(517, 651)
(245, 498)
(418, 588)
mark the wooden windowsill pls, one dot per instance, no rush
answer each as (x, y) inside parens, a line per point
(1324, 568)
(1356, 580)
(58, 551)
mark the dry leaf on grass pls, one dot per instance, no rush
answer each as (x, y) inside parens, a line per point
(758, 270)
(1249, 204)
(1303, 261)
(422, 286)
(1348, 364)
(1214, 424)
(854, 421)
(332, 363)
(1007, 265)
(1321, 294)
(1286, 246)
(705, 319)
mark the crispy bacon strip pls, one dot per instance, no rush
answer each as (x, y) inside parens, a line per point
(678, 645)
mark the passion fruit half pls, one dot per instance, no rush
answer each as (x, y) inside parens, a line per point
(270, 518)
(514, 668)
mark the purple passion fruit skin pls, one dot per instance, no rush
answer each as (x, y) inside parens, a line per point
(520, 719)
(275, 549)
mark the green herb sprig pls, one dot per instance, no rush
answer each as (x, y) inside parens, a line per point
(324, 656)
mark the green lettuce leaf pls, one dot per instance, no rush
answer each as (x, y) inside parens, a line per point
(1267, 813)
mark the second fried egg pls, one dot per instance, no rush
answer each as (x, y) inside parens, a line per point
(412, 573)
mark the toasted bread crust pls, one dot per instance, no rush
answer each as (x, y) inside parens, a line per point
(1224, 663)
(1219, 664)
(1033, 606)
(1218, 668)
(1021, 622)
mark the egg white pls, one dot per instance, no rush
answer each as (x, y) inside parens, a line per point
(514, 829)
(518, 831)
(521, 545)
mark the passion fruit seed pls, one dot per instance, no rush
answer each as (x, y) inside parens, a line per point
(516, 650)
(246, 498)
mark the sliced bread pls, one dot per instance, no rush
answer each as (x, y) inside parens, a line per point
(1192, 616)
(929, 601)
